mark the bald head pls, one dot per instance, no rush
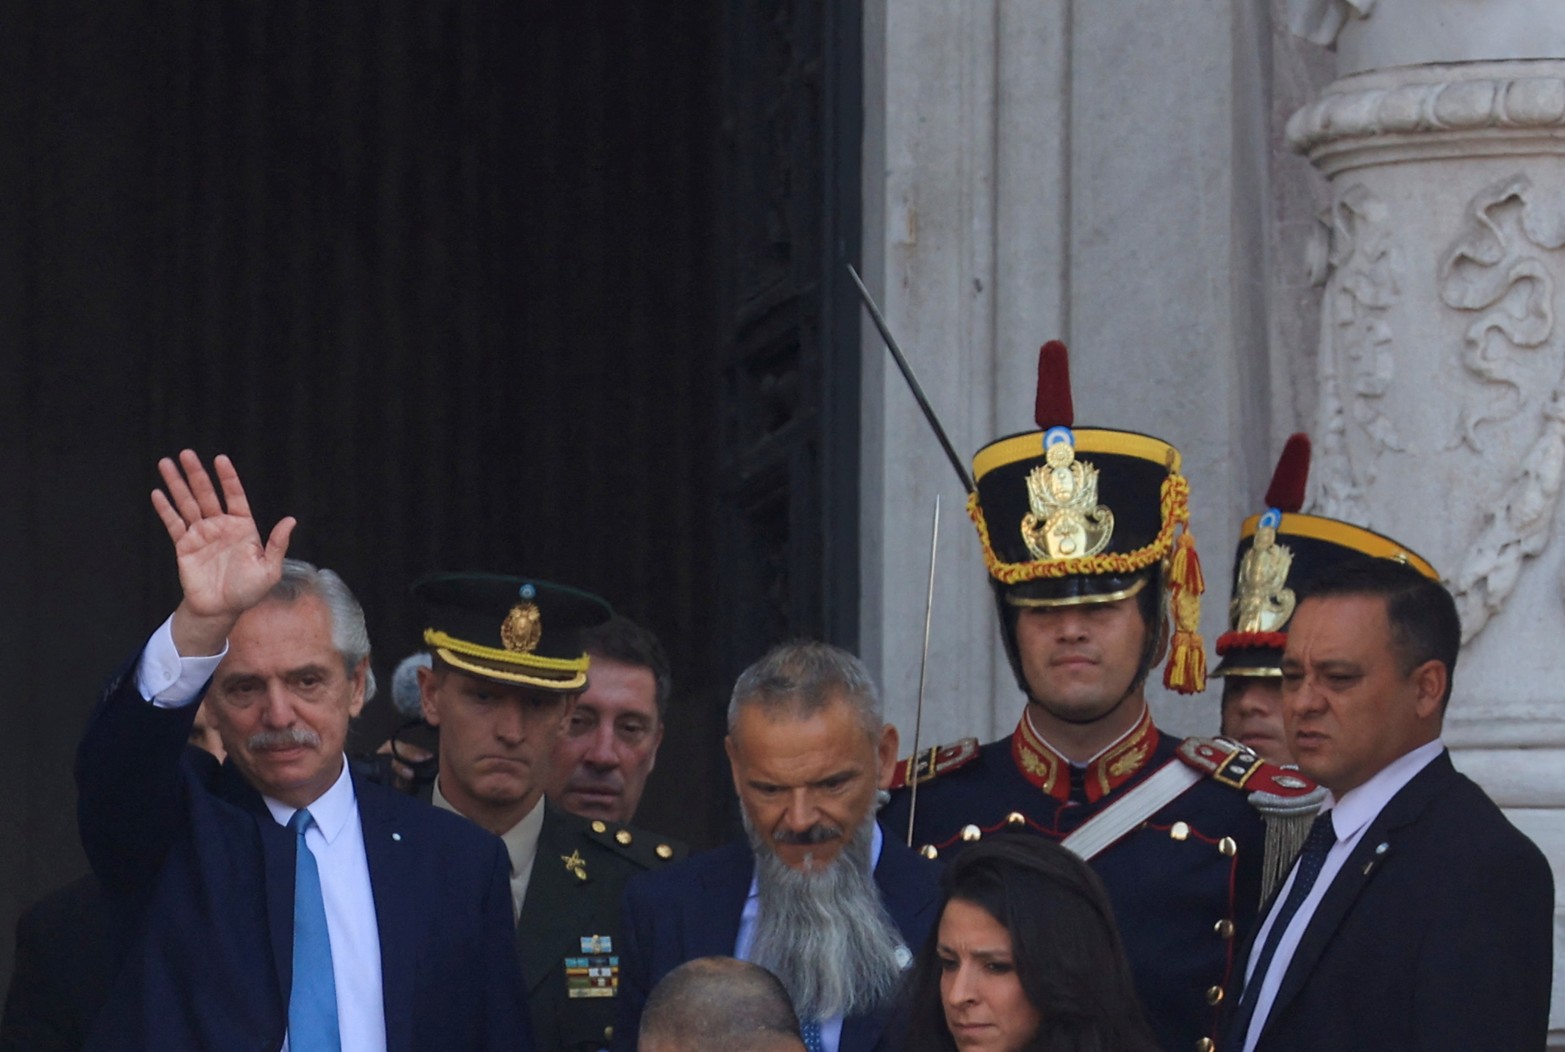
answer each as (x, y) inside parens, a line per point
(719, 1004)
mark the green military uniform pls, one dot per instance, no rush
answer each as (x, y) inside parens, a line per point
(526, 632)
(568, 933)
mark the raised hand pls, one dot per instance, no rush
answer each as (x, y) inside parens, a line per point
(224, 569)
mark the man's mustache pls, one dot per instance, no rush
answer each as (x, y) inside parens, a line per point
(819, 833)
(287, 738)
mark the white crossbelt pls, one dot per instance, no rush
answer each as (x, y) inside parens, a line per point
(1130, 810)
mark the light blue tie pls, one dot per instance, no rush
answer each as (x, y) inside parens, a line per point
(312, 1003)
(810, 1031)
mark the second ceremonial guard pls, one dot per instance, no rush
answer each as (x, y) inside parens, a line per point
(1085, 537)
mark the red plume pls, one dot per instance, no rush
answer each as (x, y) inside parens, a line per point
(1053, 407)
(1286, 493)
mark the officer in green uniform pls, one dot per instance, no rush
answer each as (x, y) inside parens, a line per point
(507, 666)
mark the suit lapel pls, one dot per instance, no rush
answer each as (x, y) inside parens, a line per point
(553, 913)
(712, 920)
(278, 860)
(907, 899)
(1356, 873)
(396, 901)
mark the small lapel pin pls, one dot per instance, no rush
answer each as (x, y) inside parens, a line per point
(575, 864)
(396, 836)
(1380, 853)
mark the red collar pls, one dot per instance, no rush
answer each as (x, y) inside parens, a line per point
(1045, 768)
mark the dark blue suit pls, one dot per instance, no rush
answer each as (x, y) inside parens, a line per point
(693, 909)
(1436, 934)
(204, 874)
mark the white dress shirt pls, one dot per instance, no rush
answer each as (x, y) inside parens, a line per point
(831, 1029)
(1351, 817)
(335, 838)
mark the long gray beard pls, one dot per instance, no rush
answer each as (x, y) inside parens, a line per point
(824, 932)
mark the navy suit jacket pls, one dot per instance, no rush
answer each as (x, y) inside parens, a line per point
(69, 946)
(204, 874)
(693, 909)
(1436, 934)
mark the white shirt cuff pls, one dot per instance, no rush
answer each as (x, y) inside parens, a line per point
(168, 680)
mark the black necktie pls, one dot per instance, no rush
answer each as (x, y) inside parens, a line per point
(1316, 846)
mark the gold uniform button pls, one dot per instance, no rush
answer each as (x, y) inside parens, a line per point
(1224, 928)
(1179, 831)
(1016, 818)
(929, 851)
(1214, 996)
(1206, 1044)
(599, 827)
(1228, 847)
(608, 1033)
(623, 836)
(971, 833)
(664, 851)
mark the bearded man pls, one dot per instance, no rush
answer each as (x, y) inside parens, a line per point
(816, 893)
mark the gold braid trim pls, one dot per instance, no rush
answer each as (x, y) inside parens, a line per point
(504, 657)
(1175, 508)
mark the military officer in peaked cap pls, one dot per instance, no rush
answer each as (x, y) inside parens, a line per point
(1278, 548)
(1085, 536)
(506, 668)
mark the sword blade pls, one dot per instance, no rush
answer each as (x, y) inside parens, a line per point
(923, 673)
(912, 381)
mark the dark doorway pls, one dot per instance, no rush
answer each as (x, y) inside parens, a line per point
(549, 288)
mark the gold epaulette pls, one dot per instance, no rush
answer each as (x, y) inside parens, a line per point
(933, 762)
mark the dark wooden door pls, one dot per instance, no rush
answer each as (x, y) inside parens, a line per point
(546, 288)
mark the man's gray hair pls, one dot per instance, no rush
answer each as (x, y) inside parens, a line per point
(802, 678)
(349, 636)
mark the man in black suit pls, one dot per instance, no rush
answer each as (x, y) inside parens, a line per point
(1416, 917)
(276, 898)
(817, 893)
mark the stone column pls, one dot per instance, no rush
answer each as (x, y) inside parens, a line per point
(1441, 363)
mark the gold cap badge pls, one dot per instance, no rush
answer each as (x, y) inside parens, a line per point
(1262, 600)
(522, 628)
(1066, 521)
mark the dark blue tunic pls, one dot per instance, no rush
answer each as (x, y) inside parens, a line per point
(1186, 886)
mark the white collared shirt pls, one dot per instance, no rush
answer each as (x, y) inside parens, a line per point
(1351, 816)
(831, 1029)
(521, 846)
(335, 838)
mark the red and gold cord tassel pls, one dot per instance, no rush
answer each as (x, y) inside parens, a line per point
(1186, 668)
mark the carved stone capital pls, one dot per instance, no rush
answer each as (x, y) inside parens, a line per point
(1480, 109)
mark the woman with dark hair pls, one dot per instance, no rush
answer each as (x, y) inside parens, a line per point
(1026, 958)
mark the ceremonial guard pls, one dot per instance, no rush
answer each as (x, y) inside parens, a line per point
(1278, 549)
(1085, 536)
(507, 665)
